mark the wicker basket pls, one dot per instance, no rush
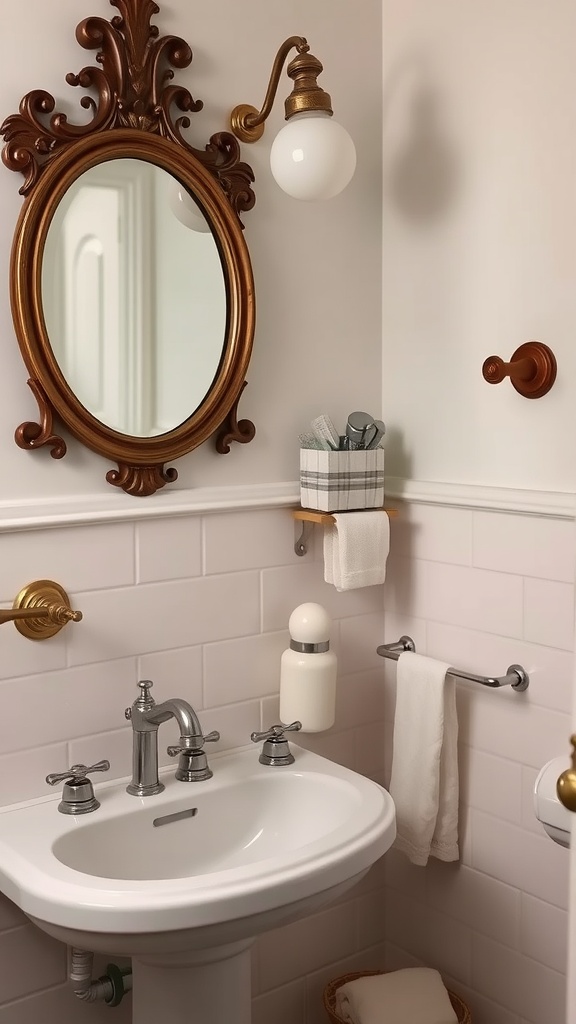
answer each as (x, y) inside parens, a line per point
(459, 1007)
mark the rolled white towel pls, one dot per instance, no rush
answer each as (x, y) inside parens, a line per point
(415, 994)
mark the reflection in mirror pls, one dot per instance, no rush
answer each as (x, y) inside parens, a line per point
(134, 297)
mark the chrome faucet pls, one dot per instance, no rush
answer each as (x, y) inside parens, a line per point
(146, 716)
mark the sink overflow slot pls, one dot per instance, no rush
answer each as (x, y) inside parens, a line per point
(167, 819)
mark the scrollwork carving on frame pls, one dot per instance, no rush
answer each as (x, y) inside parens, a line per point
(133, 87)
(141, 481)
(31, 435)
(233, 429)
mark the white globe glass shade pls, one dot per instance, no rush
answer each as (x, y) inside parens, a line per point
(312, 157)
(185, 209)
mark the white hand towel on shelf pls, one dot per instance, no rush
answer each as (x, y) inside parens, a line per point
(415, 995)
(356, 549)
(424, 781)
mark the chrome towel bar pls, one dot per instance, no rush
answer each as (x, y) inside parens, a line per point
(516, 676)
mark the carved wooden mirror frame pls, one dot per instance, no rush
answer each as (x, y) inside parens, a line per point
(132, 102)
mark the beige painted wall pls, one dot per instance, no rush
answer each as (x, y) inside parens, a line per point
(478, 238)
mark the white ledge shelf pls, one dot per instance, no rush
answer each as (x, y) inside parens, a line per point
(81, 510)
(84, 510)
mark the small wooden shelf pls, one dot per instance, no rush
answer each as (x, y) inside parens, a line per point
(309, 516)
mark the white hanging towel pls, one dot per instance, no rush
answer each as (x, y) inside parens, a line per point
(424, 781)
(356, 549)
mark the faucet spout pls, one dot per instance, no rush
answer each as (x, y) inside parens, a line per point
(190, 728)
(146, 717)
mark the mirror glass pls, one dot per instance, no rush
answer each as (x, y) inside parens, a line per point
(134, 297)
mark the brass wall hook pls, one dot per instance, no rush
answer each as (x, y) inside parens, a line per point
(532, 369)
(40, 610)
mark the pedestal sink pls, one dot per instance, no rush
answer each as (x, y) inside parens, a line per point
(183, 881)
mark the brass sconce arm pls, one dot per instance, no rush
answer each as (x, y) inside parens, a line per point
(40, 610)
(247, 122)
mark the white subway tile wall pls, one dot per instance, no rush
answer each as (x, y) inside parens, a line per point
(483, 590)
(200, 605)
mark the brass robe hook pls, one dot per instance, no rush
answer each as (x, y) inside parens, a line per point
(40, 610)
(532, 369)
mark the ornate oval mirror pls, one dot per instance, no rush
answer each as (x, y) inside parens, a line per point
(131, 285)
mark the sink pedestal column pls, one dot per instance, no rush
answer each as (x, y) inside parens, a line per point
(211, 986)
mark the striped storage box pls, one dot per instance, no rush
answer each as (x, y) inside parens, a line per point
(341, 481)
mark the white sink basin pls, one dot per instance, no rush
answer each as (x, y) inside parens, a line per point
(258, 846)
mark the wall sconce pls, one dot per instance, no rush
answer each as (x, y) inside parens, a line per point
(312, 157)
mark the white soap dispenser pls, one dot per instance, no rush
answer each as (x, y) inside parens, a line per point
(308, 671)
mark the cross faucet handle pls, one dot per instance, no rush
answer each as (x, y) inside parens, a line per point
(77, 773)
(276, 751)
(211, 737)
(275, 732)
(78, 793)
(193, 763)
